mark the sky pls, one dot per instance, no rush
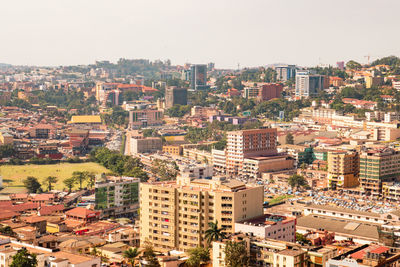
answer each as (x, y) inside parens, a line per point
(227, 32)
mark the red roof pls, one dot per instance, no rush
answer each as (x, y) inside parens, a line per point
(81, 212)
(40, 197)
(50, 209)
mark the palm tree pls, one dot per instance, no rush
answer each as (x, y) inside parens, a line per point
(213, 233)
(131, 255)
(69, 183)
(49, 181)
(91, 179)
(79, 177)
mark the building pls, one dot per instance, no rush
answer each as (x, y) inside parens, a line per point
(285, 72)
(270, 91)
(85, 120)
(376, 167)
(145, 117)
(175, 214)
(176, 150)
(117, 196)
(251, 92)
(198, 77)
(270, 226)
(373, 81)
(145, 145)
(248, 143)
(343, 169)
(253, 167)
(218, 248)
(175, 96)
(308, 84)
(219, 161)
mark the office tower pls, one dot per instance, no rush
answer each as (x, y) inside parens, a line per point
(340, 65)
(175, 214)
(211, 66)
(198, 77)
(145, 117)
(285, 72)
(117, 196)
(175, 95)
(270, 91)
(248, 143)
(376, 167)
(343, 169)
(308, 84)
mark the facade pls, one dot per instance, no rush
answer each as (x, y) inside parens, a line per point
(251, 92)
(308, 84)
(343, 169)
(145, 145)
(198, 77)
(219, 161)
(145, 117)
(270, 91)
(270, 226)
(285, 72)
(248, 143)
(175, 96)
(117, 196)
(376, 167)
(175, 214)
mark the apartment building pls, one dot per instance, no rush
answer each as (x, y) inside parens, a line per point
(145, 145)
(343, 169)
(378, 166)
(175, 214)
(285, 72)
(117, 196)
(251, 92)
(198, 155)
(175, 96)
(248, 143)
(391, 191)
(219, 161)
(308, 84)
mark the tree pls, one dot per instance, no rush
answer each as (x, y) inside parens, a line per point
(7, 230)
(131, 255)
(353, 65)
(150, 256)
(49, 181)
(32, 184)
(79, 177)
(297, 181)
(91, 177)
(236, 254)
(213, 233)
(198, 256)
(69, 183)
(289, 139)
(24, 258)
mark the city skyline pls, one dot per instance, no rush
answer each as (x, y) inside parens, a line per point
(45, 33)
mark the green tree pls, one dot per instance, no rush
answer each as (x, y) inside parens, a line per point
(131, 255)
(289, 139)
(198, 256)
(32, 184)
(236, 254)
(79, 177)
(7, 230)
(69, 183)
(353, 65)
(24, 259)
(50, 180)
(297, 181)
(213, 233)
(91, 177)
(150, 256)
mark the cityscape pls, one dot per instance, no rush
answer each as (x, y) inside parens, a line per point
(138, 161)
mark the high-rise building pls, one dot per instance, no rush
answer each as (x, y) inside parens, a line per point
(117, 196)
(340, 65)
(198, 77)
(285, 72)
(270, 91)
(308, 84)
(248, 143)
(343, 169)
(378, 166)
(145, 117)
(175, 95)
(145, 145)
(175, 214)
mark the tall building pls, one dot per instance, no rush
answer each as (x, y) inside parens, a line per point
(175, 214)
(248, 143)
(145, 145)
(285, 72)
(378, 166)
(198, 77)
(175, 95)
(308, 84)
(270, 91)
(117, 196)
(343, 169)
(145, 117)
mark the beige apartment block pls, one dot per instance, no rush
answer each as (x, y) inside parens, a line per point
(176, 214)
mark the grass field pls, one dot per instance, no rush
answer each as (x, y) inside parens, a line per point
(278, 199)
(14, 175)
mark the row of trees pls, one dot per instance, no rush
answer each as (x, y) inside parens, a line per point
(119, 164)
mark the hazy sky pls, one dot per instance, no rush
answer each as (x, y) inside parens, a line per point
(227, 32)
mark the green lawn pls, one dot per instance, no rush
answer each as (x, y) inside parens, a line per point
(278, 199)
(14, 175)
